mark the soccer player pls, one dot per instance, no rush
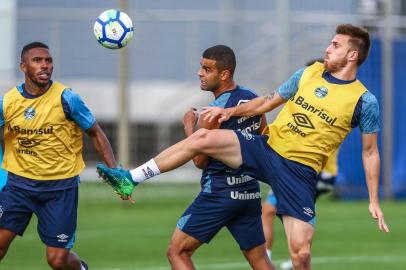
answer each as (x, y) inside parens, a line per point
(325, 183)
(228, 198)
(43, 122)
(324, 102)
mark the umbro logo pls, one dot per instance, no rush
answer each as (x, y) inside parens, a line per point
(308, 211)
(62, 237)
(302, 120)
(148, 172)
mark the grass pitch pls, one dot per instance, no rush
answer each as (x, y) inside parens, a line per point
(114, 235)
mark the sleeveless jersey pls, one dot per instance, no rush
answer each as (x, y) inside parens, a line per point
(315, 121)
(40, 143)
(217, 178)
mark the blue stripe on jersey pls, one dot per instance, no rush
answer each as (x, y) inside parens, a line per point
(76, 110)
(221, 101)
(207, 185)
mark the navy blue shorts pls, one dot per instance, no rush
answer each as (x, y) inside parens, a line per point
(204, 218)
(293, 183)
(56, 212)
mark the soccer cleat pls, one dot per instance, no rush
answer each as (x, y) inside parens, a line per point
(119, 179)
(84, 265)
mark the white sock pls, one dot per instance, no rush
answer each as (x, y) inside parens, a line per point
(82, 267)
(145, 171)
(269, 252)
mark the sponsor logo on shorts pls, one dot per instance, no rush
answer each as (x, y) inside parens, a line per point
(236, 195)
(235, 180)
(62, 238)
(308, 211)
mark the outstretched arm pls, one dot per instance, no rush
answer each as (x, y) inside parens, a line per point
(371, 162)
(256, 106)
(102, 145)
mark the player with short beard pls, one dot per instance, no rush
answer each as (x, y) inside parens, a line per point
(284, 158)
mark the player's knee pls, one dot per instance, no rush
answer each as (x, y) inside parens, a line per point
(175, 250)
(304, 259)
(200, 138)
(171, 253)
(57, 262)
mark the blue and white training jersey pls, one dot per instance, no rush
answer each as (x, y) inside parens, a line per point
(217, 178)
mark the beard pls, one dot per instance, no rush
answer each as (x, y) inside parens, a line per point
(211, 87)
(335, 66)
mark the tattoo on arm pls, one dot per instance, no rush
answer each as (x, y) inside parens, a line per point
(270, 96)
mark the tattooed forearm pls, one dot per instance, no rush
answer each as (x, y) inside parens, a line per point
(270, 96)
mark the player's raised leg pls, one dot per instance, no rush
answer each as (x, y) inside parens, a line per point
(299, 235)
(222, 145)
(219, 144)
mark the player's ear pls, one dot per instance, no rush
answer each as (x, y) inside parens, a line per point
(353, 55)
(23, 67)
(225, 74)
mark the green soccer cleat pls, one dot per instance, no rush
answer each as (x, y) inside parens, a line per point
(119, 179)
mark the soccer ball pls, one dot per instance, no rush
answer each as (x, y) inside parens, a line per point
(113, 29)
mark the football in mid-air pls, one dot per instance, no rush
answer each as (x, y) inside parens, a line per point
(113, 29)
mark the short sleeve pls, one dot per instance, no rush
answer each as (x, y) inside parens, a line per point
(76, 110)
(290, 87)
(370, 115)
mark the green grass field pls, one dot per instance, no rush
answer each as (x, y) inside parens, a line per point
(113, 235)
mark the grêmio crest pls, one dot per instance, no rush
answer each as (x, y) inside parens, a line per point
(321, 92)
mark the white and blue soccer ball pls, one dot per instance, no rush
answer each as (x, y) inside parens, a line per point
(113, 29)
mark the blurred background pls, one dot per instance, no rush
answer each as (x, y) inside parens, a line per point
(140, 93)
